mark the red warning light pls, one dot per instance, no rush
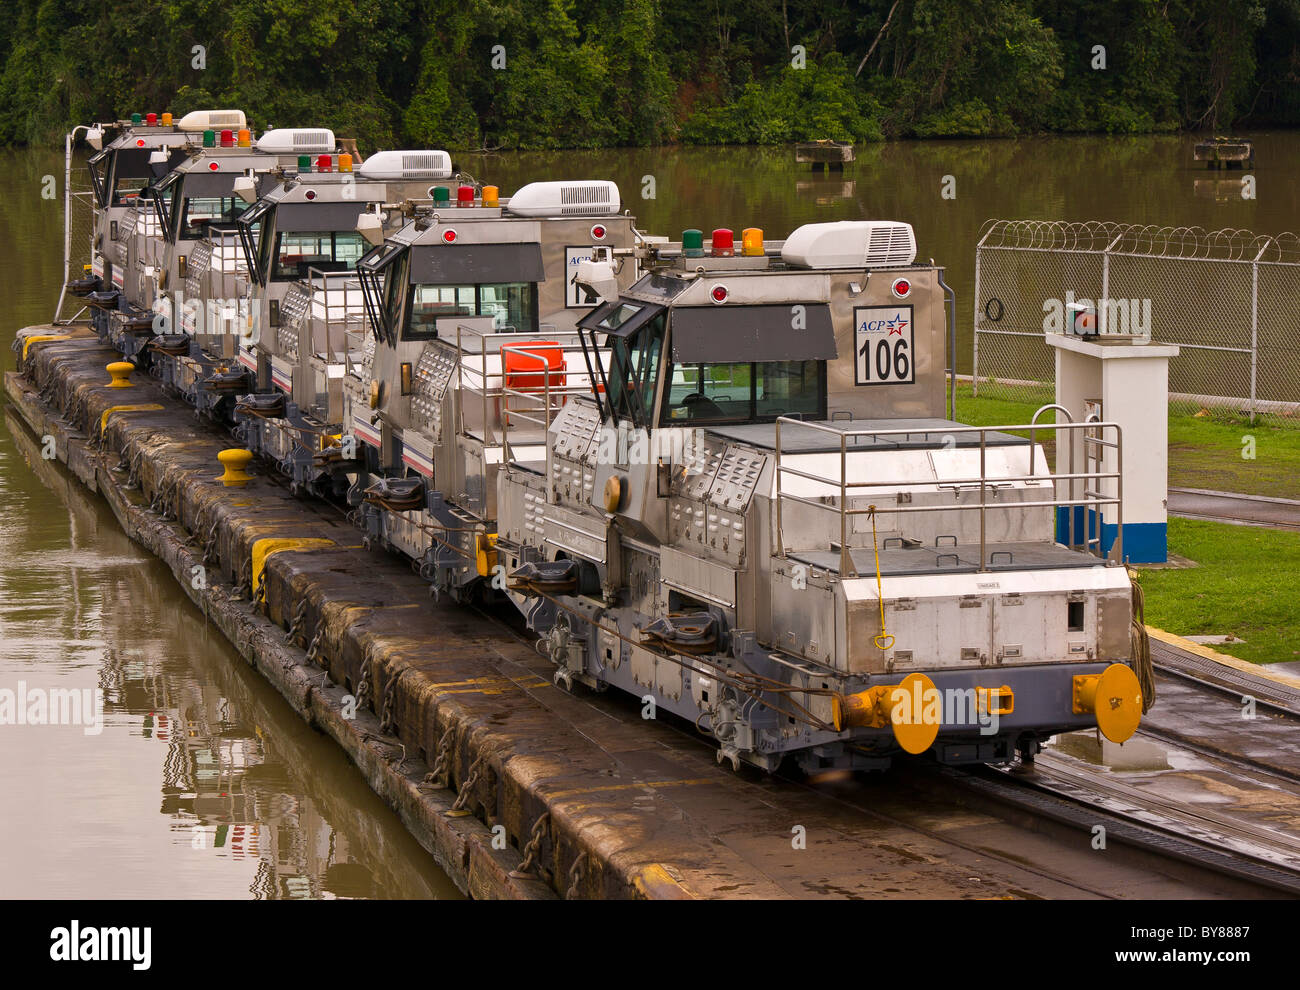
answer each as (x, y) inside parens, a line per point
(719, 293)
(902, 288)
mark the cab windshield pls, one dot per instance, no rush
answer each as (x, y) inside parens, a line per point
(744, 392)
(324, 250)
(512, 306)
(634, 370)
(200, 212)
(127, 189)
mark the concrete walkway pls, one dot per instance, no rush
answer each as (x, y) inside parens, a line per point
(1230, 507)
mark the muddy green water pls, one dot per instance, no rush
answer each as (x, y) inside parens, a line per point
(202, 782)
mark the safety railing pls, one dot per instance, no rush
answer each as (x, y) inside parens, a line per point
(342, 311)
(475, 346)
(214, 306)
(1082, 488)
(226, 264)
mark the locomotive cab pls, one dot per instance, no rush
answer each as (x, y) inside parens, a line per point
(199, 204)
(305, 332)
(474, 309)
(143, 151)
(763, 518)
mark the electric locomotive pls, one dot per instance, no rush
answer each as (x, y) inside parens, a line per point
(762, 520)
(474, 310)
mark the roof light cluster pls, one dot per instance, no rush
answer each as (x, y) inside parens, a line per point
(325, 163)
(722, 243)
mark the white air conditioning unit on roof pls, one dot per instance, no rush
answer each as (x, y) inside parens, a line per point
(593, 198)
(407, 165)
(851, 244)
(297, 141)
(213, 120)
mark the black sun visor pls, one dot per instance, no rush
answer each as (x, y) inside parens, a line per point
(469, 264)
(726, 334)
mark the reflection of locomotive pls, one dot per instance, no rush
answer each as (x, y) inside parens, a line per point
(761, 520)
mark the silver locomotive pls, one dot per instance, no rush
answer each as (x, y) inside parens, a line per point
(762, 521)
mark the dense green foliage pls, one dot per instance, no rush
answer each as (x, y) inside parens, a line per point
(557, 73)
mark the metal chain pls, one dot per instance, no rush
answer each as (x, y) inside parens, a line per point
(390, 697)
(468, 784)
(363, 687)
(244, 579)
(259, 592)
(534, 844)
(296, 624)
(313, 649)
(576, 872)
(210, 544)
(133, 476)
(439, 771)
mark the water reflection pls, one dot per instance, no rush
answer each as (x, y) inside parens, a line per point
(1092, 747)
(1143, 179)
(253, 802)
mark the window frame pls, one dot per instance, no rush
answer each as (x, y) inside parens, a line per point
(753, 415)
(407, 336)
(278, 237)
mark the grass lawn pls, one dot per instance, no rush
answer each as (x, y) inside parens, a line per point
(1243, 586)
(1204, 452)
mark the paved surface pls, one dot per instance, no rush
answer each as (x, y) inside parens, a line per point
(1230, 507)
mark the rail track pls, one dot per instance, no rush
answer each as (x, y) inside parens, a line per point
(1230, 507)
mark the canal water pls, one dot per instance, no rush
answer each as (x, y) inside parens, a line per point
(199, 781)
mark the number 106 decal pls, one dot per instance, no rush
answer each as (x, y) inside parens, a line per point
(883, 345)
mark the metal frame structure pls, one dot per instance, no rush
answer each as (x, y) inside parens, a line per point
(1128, 252)
(1094, 498)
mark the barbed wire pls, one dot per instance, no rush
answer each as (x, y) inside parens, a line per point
(1146, 240)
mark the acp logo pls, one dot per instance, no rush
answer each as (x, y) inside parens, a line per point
(895, 324)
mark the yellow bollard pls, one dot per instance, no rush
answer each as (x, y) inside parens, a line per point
(121, 374)
(234, 461)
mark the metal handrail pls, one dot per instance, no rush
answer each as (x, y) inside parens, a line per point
(1091, 497)
(350, 281)
(506, 339)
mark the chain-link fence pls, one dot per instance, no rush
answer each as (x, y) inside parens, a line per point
(1226, 298)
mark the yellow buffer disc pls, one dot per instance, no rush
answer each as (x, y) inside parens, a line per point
(916, 713)
(1118, 703)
